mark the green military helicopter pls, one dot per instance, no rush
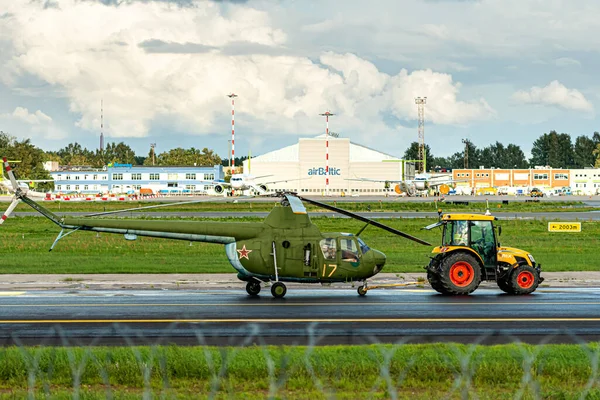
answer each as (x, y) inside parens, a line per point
(285, 247)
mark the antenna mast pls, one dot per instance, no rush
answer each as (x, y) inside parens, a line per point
(327, 115)
(101, 125)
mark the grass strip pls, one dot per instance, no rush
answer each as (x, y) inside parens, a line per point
(25, 242)
(372, 371)
(495, 205)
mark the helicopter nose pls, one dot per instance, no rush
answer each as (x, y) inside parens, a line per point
(379, 258)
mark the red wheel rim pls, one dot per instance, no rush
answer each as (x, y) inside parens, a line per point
(461, 274)
(525, 279)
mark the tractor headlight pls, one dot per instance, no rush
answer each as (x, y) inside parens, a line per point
(531, 258)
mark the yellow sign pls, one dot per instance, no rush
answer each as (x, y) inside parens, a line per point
(564, 226)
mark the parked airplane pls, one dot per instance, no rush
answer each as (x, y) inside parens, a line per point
(421, 183)
(24, 185)
(246, 182)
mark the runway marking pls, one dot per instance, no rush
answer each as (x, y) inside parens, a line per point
(513, 303)
(12, 293)
(287, 320)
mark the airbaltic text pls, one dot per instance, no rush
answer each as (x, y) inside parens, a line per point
(321, 171)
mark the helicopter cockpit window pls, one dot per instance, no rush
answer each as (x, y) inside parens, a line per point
(349, 250)
(328, 247)
(363, 246)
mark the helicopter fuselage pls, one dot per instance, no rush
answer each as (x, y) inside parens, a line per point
(284, 247)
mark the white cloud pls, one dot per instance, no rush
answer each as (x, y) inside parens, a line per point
(555, 94)
(74, 49)
(567, 62)
(442, 106)
(37, 124)
(23, 114)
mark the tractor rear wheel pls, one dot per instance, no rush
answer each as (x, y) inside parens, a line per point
(524, 280)
(460, 273)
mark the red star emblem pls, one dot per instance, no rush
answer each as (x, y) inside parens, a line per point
(244, 253)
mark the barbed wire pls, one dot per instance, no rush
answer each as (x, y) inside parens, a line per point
(150, 365)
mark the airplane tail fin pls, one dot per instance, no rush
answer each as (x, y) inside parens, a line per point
(21, 195)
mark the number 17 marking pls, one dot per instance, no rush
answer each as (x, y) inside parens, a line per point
(334, 266)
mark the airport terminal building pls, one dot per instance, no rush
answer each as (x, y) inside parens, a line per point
(303, 166)
(126, 178)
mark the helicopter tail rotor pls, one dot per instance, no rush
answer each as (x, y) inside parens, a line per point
(9, 210)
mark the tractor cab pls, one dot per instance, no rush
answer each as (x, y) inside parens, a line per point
(470, 253)
(475, 232)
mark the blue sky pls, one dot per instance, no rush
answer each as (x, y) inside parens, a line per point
(492, 70)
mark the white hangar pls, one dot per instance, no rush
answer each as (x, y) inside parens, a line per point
(303, 165)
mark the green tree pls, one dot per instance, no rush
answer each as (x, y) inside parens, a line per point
(412, 153)
(118, 153)
(6, 141)
(514, 157)
(498, 156)
(74, 154)
(552, 149)
(31, 162)
(596, 153)
(238, 161)
(583, 152)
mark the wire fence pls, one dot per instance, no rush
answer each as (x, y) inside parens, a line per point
(122, 362)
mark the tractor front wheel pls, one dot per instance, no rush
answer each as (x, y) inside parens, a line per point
(460, 274)
(434, 281)
(524, 280)
(504, 284)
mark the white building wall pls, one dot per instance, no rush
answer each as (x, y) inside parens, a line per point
(585, 181)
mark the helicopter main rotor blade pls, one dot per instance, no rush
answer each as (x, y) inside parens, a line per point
(173, 204)
(364, 219)
(295, 204)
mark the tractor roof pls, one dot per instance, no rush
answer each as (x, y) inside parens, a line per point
(468, 217)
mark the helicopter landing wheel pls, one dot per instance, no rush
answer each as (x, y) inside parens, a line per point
(362, 290)
(278, 290)
(253, 288)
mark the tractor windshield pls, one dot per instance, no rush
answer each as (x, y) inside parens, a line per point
(456, 233)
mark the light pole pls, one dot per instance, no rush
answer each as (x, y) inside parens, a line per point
(232, 96)
(420, 102)
(152, 146)
(466, 142)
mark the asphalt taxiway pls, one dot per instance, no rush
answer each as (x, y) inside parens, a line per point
(305, 316)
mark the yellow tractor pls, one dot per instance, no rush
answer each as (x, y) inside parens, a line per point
(470, 253)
